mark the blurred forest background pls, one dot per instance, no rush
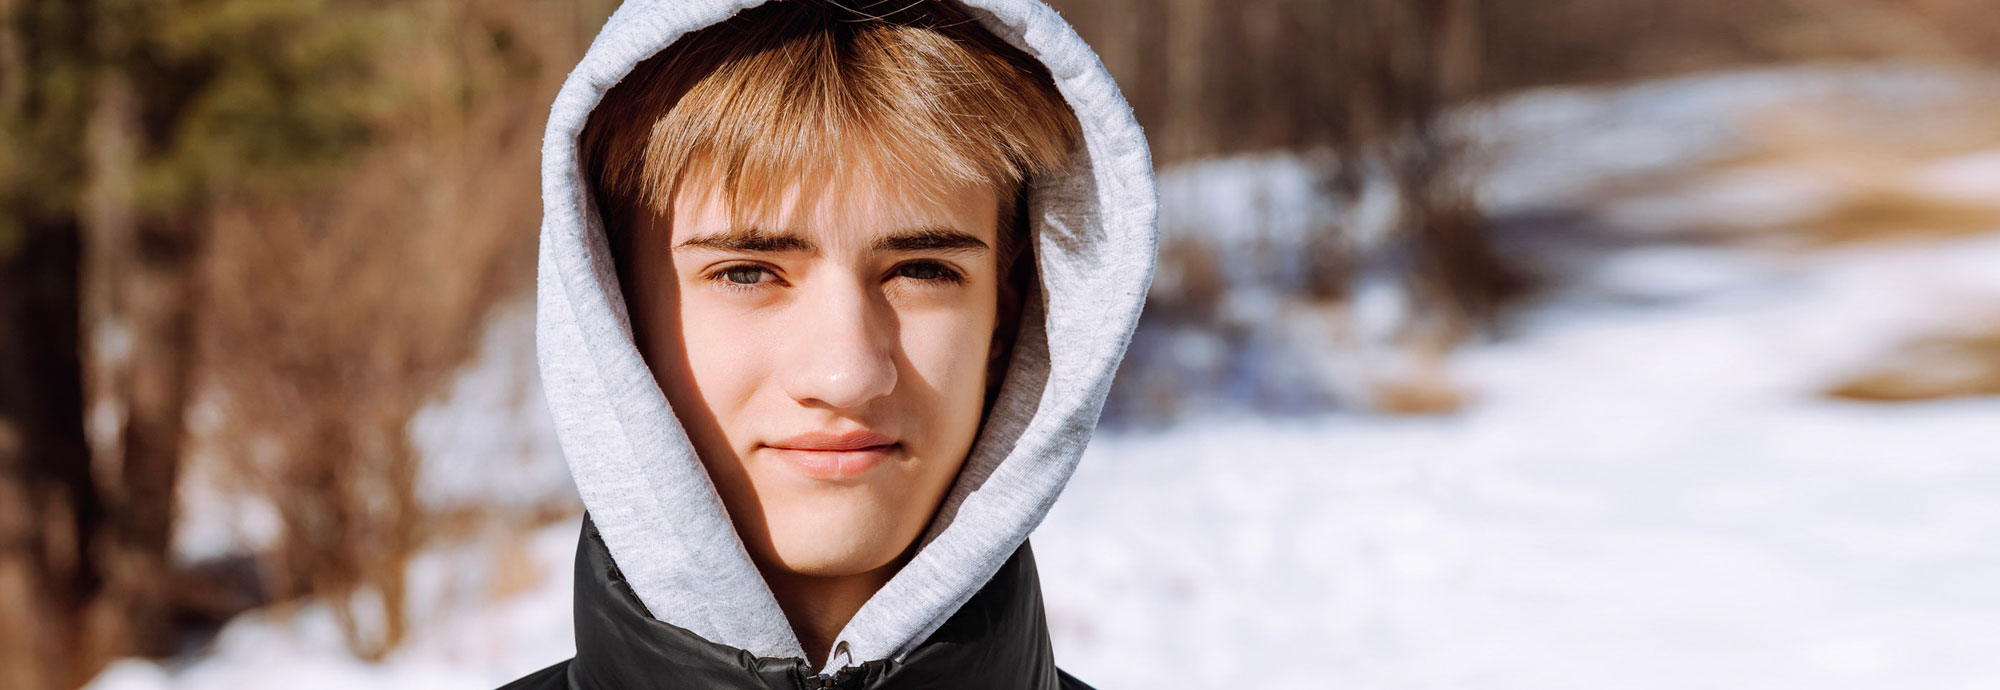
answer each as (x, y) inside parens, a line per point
(244, 243)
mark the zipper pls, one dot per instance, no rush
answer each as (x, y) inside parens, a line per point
(838, 680)
(823, 681)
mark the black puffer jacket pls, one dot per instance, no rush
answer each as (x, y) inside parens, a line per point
(998, 641)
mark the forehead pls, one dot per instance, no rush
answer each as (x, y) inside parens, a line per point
(834, 211)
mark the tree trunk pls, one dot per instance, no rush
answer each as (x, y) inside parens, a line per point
(49, 506)
(94, 325)
(47, 502)
(139, 289)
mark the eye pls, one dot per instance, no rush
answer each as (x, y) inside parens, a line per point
(741, 276)
(744, 275)
(930, 272)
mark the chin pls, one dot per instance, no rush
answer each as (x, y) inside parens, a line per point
(835, 534)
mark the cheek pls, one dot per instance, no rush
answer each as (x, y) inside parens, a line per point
(725, 352)
(947, 349)
(705, 357)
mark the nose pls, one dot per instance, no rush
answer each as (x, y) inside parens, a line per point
(844, 352)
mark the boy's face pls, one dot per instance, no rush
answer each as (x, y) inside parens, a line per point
(829, 364)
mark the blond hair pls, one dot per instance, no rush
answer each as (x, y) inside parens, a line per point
(816, 90)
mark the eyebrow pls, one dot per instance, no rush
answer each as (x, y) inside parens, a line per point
(921, 239)
(748, 240)
(929, 239)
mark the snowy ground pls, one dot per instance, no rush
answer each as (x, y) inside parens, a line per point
(1647, 490)
(1642, 498)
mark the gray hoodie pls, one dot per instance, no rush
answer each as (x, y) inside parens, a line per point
(1093, 228)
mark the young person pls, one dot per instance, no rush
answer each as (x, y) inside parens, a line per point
(830, 295)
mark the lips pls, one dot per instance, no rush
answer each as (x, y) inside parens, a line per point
(830, 456)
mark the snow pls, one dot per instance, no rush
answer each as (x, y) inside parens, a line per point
(462, 638)
(1644, 497)
(1972, 177)
(1559, 143)
(1648, 489)
(489, 441)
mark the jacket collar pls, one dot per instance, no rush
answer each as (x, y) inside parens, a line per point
(998, 639)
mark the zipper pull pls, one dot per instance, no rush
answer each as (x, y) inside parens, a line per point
(824, 681)
(829, 681)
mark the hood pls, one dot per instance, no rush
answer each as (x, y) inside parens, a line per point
(1094, 232)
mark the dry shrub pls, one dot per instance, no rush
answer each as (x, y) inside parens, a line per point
(1217, 77)
(1429, 392)
(1875, 174)
(1362, 89)
(1881, 167)
(1932, 368)
(1893, 214)
(1189, 282)
(1368, 80)
(1415, 378)
(330, 317)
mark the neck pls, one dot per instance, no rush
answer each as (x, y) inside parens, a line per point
(819, 606)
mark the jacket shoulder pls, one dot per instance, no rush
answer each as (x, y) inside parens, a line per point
(555, 677)
(1070, 682)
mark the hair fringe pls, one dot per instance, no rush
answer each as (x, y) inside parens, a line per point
(912, 95)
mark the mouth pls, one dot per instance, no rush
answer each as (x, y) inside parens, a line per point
(829, 456)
